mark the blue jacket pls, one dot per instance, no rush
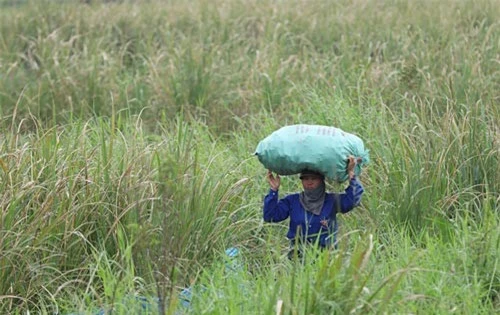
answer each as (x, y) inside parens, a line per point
(307, 225)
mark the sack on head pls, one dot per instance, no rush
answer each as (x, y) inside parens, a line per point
(292, 149)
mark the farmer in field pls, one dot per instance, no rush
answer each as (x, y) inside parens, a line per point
(312, 212)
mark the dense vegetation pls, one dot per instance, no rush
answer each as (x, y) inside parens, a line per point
(127, 133)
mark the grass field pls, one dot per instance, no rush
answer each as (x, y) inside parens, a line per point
(127, 134)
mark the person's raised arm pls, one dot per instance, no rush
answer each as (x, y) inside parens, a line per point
(274, 182)
(351, 197)
(351, 164)
(275, 210)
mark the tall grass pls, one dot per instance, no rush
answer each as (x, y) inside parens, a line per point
(235, 58)
(126, 164)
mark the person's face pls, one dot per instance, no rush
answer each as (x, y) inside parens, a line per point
(311, 181)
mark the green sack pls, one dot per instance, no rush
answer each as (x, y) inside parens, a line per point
(292, 149)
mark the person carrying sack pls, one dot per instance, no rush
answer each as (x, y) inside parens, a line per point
(313, 211)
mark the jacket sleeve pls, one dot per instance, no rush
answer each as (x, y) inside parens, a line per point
(351, 197)
(275, 210)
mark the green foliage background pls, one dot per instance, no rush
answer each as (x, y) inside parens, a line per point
(127, 133)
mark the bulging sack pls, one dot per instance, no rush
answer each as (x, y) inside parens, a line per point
(292, 149)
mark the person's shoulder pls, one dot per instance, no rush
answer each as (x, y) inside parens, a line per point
(292, 196)
(330, 195)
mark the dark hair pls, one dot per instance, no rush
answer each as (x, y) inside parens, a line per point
(309, 172)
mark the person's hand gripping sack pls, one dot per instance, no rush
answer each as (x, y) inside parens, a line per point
(351, 164)
(274, 182)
